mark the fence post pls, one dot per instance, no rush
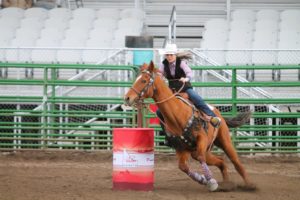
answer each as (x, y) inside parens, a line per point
(234, 98)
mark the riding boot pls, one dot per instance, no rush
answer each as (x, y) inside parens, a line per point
(214, 120)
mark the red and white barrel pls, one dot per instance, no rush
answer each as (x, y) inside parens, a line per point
(133, 159)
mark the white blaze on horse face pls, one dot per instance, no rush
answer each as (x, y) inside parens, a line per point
(138, 78)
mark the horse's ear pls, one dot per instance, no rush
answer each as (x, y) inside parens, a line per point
(151, 66)
(143, 67)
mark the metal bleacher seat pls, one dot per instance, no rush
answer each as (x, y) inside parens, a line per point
(290, 25)
(36, 12)
(6, 36)
(81, 23)
(130, 23)
(32, 23)
(290, 15)
(264, 39)
(11, 23)
(132, 13)
(84, 13)
(242, 24)
(120, 34)
(76, 32)
(96, 55)
(104, 35)
(266, 24)
(216, 24)
(60, 13)
(20, 53)
(239, 40)
(47, 53)
(267, 14)
(243, 14)
(214, 39)
(290, 20)
(105, 23)
(54, 33)
(56, 23)
(240, 36)
(74, 38)
(112, 13)
(289, 40)
(12, 12)
(25, 32)
(72, 55)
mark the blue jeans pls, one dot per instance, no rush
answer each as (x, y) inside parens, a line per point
(199, 102)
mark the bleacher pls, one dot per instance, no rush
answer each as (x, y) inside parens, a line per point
(250, 37)
(65, 28)
(37, 35)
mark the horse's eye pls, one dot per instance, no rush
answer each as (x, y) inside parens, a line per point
(144, 81)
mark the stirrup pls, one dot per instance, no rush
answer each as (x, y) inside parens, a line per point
(215, 122)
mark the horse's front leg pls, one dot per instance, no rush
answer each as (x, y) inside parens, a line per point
(202, 142)
(183, 157)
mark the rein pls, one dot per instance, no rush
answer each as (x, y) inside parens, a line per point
(170, 97)
(145, 89)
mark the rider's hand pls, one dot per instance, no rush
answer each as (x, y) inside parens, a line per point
(182, 79)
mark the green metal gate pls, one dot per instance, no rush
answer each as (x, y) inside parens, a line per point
(55, 111)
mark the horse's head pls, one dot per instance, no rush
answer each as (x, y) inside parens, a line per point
(142, 87)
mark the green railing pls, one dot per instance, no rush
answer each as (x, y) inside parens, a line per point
(53, 112)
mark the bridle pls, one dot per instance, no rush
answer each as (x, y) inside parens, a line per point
(141, 93)
(145, 89)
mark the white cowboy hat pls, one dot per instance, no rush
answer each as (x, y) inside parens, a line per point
(169, 49)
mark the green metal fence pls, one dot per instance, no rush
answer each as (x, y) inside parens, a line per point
(55, 111)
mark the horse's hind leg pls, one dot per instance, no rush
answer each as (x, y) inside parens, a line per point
(225, 143)
(218, 162)
(183, 158)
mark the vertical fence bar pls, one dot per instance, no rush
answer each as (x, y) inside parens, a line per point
(234, 100)
(52, 105)
(44, 107)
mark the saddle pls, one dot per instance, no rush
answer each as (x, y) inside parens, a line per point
(187, 141)
(185, 96)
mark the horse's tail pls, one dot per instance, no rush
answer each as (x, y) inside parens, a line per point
(239, 120)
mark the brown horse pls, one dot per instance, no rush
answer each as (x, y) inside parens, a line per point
(177, 116)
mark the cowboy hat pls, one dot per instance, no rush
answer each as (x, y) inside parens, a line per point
(170, 49)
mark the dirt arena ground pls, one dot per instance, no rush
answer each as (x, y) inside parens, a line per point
(83, 175)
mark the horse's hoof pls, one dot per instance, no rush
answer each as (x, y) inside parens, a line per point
(212, 185)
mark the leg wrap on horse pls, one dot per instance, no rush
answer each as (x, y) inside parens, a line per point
(198, 177)
(206, 171)
(211, 183)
